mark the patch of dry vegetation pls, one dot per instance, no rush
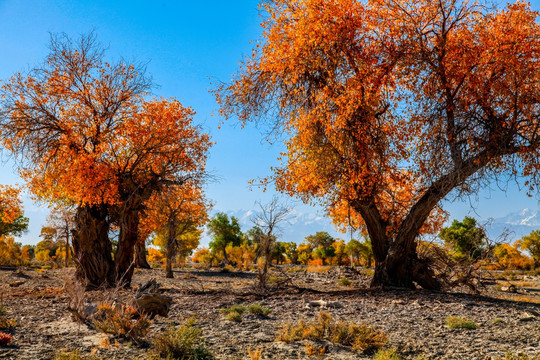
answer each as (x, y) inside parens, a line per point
(185, 342)
(122, 322)
(361, 337)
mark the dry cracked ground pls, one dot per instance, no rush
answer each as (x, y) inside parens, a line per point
(415, 321)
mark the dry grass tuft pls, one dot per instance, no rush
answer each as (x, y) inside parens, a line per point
(314, 350)
(344, 282)
(259, 310)
(455, 322)
(361, 337)
(255, 354)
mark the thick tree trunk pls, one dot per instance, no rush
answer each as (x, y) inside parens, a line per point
(124, 259)
(92, 248)
(404, 271)
(140, 255)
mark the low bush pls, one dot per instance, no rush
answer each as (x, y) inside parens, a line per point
(185, 342)
(5, 339)
(455, 322)
(314, 350)
(121, 322)
(234, 308)
(234, 316)
(388, 354)
(259, 310)
(7, 323)
(272, 279)
(344, 282)
(361, 337)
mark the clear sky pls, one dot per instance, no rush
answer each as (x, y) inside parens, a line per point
(189, 46)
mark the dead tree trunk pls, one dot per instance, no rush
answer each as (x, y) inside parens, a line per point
(92, 248)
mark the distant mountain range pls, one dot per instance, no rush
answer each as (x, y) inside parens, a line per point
(515, 225)
(298, 226)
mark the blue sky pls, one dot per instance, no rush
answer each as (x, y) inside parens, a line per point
(189, 46)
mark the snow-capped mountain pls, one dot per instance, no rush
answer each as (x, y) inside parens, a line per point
(509, 228)
(516, 225)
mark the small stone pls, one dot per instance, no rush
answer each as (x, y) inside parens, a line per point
(509, 288)
(527, 316)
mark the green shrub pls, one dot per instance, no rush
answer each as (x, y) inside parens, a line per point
(275, 279)
(235, 308)
(455, 322)
(185, 343)
(498, 321)
(344, 282)
(259, 310)
(234, 316)
(389, 354)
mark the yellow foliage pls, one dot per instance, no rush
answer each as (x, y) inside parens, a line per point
(43, 255)
(242, 256)
(203, 256)
(154, 255)
(10, 251)
(509, 257)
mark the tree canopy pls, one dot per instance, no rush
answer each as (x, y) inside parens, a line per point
(390, 105)
(465, 237)
(224, 231)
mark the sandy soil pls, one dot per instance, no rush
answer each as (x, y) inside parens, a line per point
(413, 320)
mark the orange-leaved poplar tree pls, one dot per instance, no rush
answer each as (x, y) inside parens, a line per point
(176, 216)
(388, 106)
(85, 132)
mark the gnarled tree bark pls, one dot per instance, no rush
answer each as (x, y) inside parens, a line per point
(92, 247)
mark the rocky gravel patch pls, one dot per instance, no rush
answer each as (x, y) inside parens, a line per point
(415, 321)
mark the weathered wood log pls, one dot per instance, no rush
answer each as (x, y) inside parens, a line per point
(150, 302)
